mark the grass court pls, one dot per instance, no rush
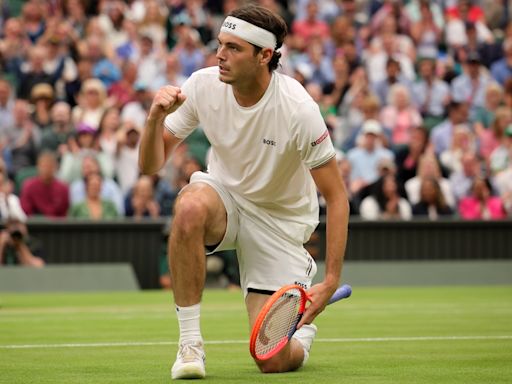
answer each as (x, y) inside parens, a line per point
(378, 336)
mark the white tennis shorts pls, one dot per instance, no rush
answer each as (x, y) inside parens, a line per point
(267, 260)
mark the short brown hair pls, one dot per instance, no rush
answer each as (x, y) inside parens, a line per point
(268, 20)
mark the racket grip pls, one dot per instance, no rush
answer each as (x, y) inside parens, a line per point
(341, 293)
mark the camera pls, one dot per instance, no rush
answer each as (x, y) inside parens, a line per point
(16, 234)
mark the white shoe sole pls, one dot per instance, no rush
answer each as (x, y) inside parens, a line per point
(189, 371)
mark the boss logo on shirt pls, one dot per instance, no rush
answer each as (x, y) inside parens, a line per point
(229, 25)
(269, 142)
(321, 138)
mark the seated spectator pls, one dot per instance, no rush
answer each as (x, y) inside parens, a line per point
(463, 141)
(393, 77)
(22, 138)
(501, 70)
(84, 144)
(441, 135)
(491, 138)
(462, 180)
(501, 157)
(55, 139)
(108, 132)
(428, 166)
(44, 194)
(430, 94)
(91, 104)
(431, 203)
(407, 157)
(110, 190)
(385, 202)
(399, 116)
(364, 159)
(42, 97)
(481, 204)
(6, 104)
(94, 206)
(127, 156)
(141, 202)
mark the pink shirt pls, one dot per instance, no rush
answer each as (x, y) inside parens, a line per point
(400, 123)
(470, 209)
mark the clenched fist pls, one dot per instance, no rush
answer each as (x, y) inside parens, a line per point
(167, 100)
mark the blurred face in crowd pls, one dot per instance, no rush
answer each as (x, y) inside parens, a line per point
(389, 187)
(61, 114)
(20, 112)
(429, 190)
(46, 167)
(89, 166)
(480, 189)
(93, 185)
(5, 92)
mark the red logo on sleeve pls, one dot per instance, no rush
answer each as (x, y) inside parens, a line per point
(321, 138)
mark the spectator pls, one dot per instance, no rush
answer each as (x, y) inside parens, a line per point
(430, 94)
(6, 104)
(364, 159)
(407, 157)
(400, 117)
(481, 204)
(190, 51)
(428, 166)
(172, 75)
(56, 137)
(393, 77)
(462, 180)
(127, 155)
(42, 98)
(84, 144)
(491, 138)
(91, 104)
(94, 207)
(141, 202)
(501, 70)
(150, 62)
(385, 202)
(122, 92)
(463, 141)
(22, 138)
(110, 190)
(441, 135)
(470, 86)
(484, 116)
(14, 44)
(44, 194)
(431, 203)
(108, 132)
(311, 26)
(501, 157)
(426, 31)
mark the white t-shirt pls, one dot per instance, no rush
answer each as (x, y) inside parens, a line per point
(262, 154)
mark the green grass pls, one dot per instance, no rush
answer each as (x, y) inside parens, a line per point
(375, 317)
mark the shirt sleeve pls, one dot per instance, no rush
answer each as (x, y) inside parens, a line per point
(311, 136)
(185, 119)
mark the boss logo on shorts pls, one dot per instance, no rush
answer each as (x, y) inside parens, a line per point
(301, 284)
(229, 25)
(269, 142)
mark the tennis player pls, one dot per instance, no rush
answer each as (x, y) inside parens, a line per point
(270, 148)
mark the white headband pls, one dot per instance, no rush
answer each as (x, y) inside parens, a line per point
(249, 32)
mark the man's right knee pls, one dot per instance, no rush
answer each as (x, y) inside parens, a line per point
(190, 212)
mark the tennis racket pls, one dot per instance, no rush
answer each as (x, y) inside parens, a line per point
(277, 321)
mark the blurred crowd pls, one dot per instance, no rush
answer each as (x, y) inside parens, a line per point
(417, 96)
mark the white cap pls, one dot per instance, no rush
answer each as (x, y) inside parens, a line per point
(371, 126)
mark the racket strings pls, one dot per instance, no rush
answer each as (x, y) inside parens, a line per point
(280, 322)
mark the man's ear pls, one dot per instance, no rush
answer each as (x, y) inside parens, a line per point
(266, 55)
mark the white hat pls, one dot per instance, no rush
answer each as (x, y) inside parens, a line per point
(371, 126)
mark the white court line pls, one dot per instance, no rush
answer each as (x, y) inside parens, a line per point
(338, 340)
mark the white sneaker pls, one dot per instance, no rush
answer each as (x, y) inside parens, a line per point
(189, 362)
(305, 335)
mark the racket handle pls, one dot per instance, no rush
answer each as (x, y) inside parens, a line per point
(341, 293)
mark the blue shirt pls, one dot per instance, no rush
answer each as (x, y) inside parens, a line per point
(365, 164)
(501, 71)
(439, 91)
(110, 191)
(462, 90)
(441, 136)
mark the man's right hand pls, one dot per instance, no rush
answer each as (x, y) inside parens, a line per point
(167, 100)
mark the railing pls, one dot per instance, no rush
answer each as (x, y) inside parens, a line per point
(140, 242)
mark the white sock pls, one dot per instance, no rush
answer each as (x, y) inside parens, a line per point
(188, 319)
(305, 336)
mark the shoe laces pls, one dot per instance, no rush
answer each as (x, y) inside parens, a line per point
(189, 352)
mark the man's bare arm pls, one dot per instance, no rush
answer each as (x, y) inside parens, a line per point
(157, 143)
